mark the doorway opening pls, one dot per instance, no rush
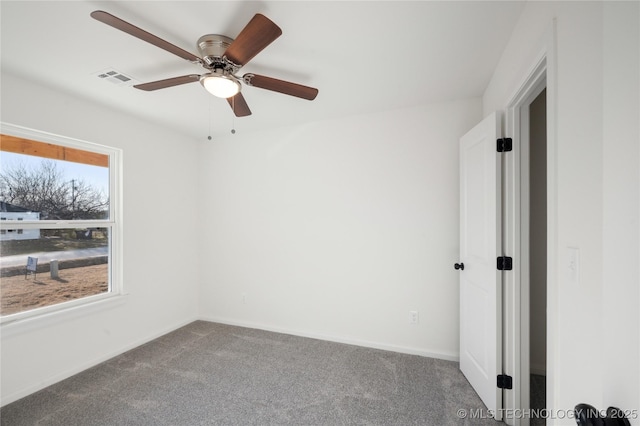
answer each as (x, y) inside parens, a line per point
(537, 111)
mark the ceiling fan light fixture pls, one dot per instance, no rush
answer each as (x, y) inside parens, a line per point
(220, 84)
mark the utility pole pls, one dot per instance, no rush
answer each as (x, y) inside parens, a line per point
(73, 198)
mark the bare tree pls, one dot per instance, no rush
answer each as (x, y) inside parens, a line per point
(45, 189)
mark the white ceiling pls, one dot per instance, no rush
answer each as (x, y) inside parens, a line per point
(363, 56)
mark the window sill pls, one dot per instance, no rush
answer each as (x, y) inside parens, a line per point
(38, 319)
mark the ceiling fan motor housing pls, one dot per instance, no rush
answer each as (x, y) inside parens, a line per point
(212, 48)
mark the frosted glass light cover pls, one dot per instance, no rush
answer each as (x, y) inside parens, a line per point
(221, 86)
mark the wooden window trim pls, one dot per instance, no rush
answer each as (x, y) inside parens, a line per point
(47, 150)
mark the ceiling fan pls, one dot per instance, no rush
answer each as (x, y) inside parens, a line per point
(222, 57)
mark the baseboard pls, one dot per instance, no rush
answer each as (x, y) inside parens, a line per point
(338, 339)
(7, 399)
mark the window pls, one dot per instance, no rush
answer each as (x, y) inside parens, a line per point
(59, 204)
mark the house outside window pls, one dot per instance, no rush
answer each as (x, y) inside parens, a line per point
(10, 212)
(60, 204)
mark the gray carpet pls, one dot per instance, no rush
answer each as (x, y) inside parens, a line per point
(213, 374)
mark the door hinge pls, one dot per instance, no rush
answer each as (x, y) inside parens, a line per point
(505, 382)
(505, 263)
(504, 144)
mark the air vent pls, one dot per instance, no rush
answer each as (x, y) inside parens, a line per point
(115, 77)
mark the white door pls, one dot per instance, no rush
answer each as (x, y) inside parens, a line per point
(480, 245)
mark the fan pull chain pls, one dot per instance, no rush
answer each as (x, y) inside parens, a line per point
(210, 117)
(233, 119)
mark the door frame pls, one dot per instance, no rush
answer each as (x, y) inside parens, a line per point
(542, 74)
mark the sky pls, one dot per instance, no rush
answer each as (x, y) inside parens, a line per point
(96, 176)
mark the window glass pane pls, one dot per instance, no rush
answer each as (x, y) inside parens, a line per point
(28, 264)
(37, 188)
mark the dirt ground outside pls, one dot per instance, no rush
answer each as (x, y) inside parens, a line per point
(18, 294)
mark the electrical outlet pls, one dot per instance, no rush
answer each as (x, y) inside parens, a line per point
(414, 317)
(244, 298)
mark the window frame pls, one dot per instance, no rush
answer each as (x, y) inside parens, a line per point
(113, 223)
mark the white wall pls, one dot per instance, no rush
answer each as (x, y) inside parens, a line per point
(160, 263)
(594, 323)
(621, 205)
(338, 229)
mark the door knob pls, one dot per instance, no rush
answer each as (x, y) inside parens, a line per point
(459, 266)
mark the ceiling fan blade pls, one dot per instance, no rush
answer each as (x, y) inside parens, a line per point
(169, 82)
(128, 28)
(239, 105)
(257, 35)
(286, 87)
